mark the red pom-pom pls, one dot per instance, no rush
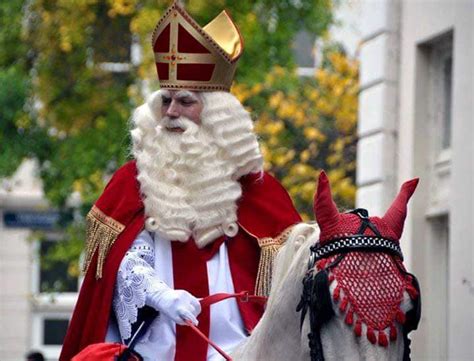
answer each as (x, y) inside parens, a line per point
(371, 335)
(350, 317)
(400, 317)
(393, 333)
(337, 293)
(343, 304)
(383, 341)
(358, 328)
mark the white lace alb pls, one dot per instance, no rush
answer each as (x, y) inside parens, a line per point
(136, 280)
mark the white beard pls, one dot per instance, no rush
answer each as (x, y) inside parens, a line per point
(187, 180)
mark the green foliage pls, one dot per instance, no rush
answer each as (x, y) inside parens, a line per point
(60, 105)
(308, 124)
(63, 251)
(13, 51)
(82, 108)
(267, 26)
(13, 91)
(78, 125)
(14, 86)
(58, 274)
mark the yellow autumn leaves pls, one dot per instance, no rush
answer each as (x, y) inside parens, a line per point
(308, 124)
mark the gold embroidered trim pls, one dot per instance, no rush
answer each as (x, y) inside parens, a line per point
(269, 249)
(101, 233)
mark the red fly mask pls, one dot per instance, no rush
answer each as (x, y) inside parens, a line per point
(362, 255)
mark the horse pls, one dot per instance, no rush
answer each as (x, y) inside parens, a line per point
(327, 264)
(276, 335)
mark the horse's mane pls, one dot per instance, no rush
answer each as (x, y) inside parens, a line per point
(293, 254)
(269, 340)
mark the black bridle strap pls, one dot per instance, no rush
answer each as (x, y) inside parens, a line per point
(358, 242)
(365, 222)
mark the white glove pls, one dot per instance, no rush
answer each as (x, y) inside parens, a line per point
(179, 305)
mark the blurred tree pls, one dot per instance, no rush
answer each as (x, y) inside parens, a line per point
(308, 124)
(14, 87)
(67, 87)
(76, 122)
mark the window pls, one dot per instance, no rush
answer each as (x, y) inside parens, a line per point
(303, 51)
(48, 331)
(54, 275)
(303, 47)
(432, 160)
(54, 331)
(441, 70)
(54, 294)
(447, 64)
(435, 299)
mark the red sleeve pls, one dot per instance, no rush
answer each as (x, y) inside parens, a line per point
(120, 201)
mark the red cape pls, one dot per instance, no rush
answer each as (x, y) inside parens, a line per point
(264, 210)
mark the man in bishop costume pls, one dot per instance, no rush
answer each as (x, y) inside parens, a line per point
(192, 215)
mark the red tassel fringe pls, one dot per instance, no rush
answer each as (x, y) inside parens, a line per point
(349, 317)
(343, 304)
(393, 333)
(383, 341)
(371, 335)
(337, 293)
(400, 317)
(358, 328)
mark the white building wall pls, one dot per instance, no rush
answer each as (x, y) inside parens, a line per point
(23, 309)
(378, 104)
(14, 305)
(22, 191)
(398, 137)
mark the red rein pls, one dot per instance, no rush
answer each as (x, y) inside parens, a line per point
(218, 297)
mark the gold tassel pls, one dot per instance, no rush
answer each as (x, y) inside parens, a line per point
(101, 233)
(265, 269)
(268, 250)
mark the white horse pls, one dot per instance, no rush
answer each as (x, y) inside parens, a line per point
(279, 336)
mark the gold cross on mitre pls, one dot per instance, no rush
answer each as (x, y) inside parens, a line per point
(190, 57)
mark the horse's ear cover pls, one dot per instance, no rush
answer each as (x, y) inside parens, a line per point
(397, 212)
(339, 228)
(325, 210)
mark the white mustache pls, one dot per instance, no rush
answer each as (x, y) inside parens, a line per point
(181, 122)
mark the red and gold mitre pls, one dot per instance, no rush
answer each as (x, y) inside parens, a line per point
(189, 56)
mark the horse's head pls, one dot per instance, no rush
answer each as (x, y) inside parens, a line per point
(356, 272)
(292, 254)
(335, 225)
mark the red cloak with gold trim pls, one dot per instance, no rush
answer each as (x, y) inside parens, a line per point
(265, 211)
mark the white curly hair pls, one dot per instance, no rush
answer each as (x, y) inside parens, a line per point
(189, 180)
